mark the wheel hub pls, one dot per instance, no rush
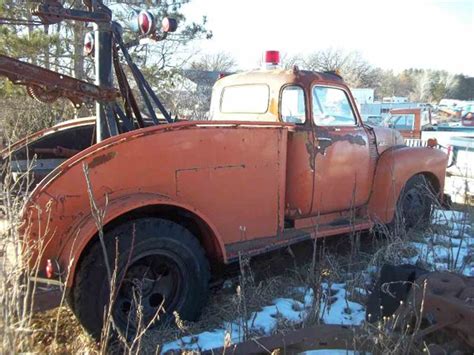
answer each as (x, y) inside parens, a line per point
(149, 287)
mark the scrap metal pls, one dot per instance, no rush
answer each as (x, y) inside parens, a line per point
(445, 300)
(439, 302)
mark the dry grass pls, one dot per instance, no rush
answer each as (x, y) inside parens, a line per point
(335, 263)
(66, 336)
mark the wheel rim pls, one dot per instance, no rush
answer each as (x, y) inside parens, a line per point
(414, 206)
(152, 284)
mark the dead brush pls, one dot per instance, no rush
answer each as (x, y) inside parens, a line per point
(22, 329)
(15, 306)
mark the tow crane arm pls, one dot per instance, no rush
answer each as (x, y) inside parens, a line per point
(47, 86)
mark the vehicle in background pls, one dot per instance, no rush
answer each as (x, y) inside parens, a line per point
(457, 140)
(408, 122)
(417, 127)
(382, 109)
(468, 119)
(460, 173)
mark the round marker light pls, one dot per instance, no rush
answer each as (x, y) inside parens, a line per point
(432, 142)
(272, 57)
(89, 42)
(146, 23)
(49, 269)
(169, 24)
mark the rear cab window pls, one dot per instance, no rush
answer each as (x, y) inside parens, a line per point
(332, 107)
(252, 98)
(292, 105)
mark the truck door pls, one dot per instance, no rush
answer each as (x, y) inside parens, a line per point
(299, 170)
(344, 161)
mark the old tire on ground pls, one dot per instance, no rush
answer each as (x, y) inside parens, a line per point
(161, 263)
(414, 204)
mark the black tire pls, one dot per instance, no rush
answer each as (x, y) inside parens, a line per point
(414, 204)
(163, 262)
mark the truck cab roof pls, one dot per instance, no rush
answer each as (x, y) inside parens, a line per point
(256, 95)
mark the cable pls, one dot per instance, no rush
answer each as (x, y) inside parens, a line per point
(19, 22)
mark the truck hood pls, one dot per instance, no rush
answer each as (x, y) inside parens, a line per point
(386, 138)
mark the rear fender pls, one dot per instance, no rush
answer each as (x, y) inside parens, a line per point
(394, 167)
(71, 252)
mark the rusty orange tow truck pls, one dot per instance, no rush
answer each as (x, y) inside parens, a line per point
(284, 157)
(284, 151)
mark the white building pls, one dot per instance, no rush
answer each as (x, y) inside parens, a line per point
(395, 99)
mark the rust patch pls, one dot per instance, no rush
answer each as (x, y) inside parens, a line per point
(312, 150)
(324, 139)
(102, 159)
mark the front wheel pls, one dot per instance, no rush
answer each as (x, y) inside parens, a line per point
(414, 203)
(161, 268)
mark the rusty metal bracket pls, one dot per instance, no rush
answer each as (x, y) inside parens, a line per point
(446, 301)
(52, 11)
(46, 85)
(321, 336)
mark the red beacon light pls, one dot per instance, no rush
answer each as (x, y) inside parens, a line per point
(146, 22)
(89, 43)
(272, 59)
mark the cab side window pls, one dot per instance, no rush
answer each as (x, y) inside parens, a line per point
(293, 109)
(331, 107)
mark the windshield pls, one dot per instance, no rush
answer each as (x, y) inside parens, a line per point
(331, 107)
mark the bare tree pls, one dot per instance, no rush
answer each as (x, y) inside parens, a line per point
(357, 71)
(326, 60)
(289, 61)
(220, 61)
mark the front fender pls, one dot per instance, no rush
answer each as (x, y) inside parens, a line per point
(394, 167)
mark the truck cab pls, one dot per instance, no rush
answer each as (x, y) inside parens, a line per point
(326, 135)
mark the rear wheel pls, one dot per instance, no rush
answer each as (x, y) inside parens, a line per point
(414, 204)
(161, 268)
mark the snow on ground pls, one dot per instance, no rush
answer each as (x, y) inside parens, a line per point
(451, 250)
(335, 310)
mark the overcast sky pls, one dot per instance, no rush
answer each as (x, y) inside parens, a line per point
(392, 34)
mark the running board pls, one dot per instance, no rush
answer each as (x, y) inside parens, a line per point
(292, 236)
